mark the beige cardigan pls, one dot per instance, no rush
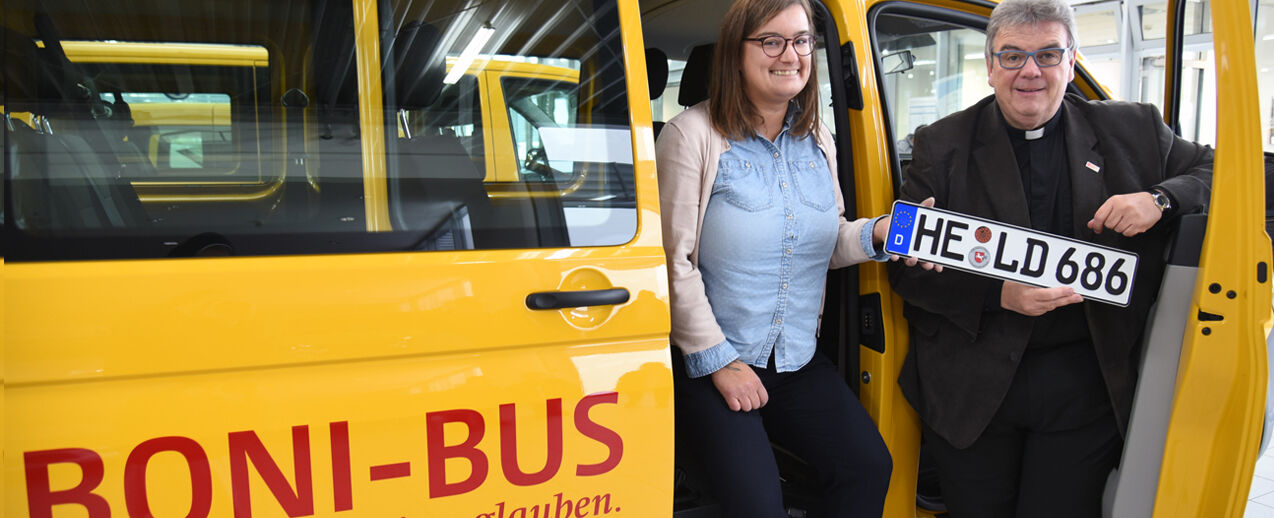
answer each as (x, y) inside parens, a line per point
(686, 156)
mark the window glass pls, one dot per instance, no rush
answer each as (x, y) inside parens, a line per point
(203, 133)
(1154, 19)
(1097, 24)
(533, 104)
(146, 129)
(552, 147)
(929, 70)
(546, 162)
(1198, 97)
(1099, 33)
(181, 135)
(1265, 69)
(1107, 70)
(1198, 91)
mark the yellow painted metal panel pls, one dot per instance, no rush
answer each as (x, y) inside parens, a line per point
(493, 134)
(166, 53)
(649, 233)
(1219, 405)
(181, 114)
(371, 116)
(207, 348)
(873, 181)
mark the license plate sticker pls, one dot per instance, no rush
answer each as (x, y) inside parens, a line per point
(1011, 253)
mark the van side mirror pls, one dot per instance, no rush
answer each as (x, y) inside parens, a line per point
(897, 62)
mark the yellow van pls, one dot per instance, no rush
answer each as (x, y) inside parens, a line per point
(333, 276)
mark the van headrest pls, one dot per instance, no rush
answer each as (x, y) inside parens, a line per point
(27, 84)
(694, 79)
(419, 66)
(656, 72)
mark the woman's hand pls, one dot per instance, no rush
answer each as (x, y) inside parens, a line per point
(740, 387)
(881, 232)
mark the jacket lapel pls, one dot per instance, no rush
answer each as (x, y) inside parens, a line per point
(994, 162)
(1087, 170)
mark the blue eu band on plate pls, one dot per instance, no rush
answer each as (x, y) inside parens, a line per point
(1011, 253)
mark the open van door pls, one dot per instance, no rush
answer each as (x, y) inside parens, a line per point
(1196, 425)
(925, 61)
(1213, 434)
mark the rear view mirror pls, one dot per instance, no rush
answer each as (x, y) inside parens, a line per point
(897, 62)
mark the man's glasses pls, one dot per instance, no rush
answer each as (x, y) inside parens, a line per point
(1015, 59)
(774, 46)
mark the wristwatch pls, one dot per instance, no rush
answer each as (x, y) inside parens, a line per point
(1161, 200)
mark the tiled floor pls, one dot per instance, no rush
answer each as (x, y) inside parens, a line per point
(1260, 503)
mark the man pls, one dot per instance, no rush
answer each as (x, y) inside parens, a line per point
(1025, 392)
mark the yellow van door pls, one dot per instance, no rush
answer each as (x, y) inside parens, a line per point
(388, 334)
(1218, 407)
(916, 63)
(926, 61)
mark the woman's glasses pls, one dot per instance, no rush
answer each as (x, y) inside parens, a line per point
(774, 46)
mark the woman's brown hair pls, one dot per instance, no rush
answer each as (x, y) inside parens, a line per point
(732, 114)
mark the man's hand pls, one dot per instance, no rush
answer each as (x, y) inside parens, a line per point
(740, 387)
(1032, 301)
(881, 232)
(1127, 214)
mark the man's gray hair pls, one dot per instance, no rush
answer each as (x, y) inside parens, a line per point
(1013, 13)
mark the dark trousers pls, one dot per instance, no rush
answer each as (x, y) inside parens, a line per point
(1048, 450)
(811, 413)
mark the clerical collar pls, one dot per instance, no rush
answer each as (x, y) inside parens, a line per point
(1048, 128)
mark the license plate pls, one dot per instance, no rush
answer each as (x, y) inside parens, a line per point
(1011, 253)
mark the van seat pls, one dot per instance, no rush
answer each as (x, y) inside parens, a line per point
(657, 78)
(435, 186)
(59, 182)
(694, 79)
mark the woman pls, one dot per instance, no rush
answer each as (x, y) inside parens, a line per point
(753, 218)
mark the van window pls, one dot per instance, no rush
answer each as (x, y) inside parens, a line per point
(182, 135)
(551, 162)
(929, 69)
(249, 135)
(532, 104)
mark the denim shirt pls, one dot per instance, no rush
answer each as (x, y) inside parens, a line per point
(768, 234)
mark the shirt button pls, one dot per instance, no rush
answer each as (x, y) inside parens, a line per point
(778, 321)
(811, 165)
(788, 251)
(785, 285)
(789, 216)
(783, 185)
(776, 154)
(747, 165)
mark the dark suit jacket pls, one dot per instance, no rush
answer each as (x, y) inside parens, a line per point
(965, 349)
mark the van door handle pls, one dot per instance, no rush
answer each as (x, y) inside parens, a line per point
(576, 299)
